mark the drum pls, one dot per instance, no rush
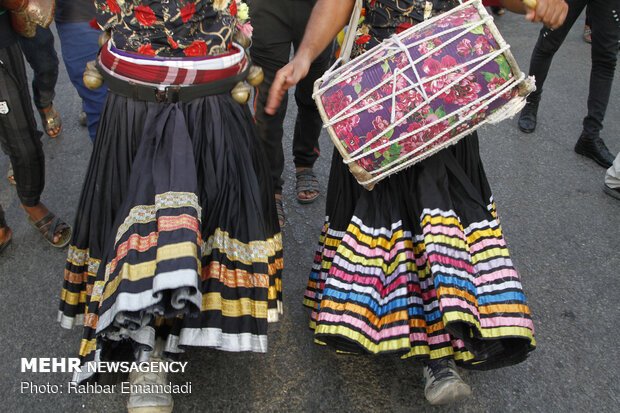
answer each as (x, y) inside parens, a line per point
(420, 91)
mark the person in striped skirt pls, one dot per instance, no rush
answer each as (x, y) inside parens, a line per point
(417, 267)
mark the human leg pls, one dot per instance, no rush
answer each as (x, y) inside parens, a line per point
(605, 37)
(20, 138)
(271, 45)
(587, 28)
(79, 45)
(41, 55)
(308, 123)
(549, 41)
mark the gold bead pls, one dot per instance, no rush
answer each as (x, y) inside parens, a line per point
(103, 38)
(255, 75)
(241, 93)
(92, 78)
(243, 40)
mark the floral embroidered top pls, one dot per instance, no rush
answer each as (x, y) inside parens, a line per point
(386, 17)
(169, 28)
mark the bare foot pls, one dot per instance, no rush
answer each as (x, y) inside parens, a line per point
(37, 213)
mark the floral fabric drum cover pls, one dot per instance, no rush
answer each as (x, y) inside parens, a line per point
(420, 91)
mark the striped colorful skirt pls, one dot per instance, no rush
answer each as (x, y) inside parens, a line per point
(176, 234)
(419, 266)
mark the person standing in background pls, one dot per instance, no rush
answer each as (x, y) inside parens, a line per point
(79, 45)
(41, 55)
(21, 140)
(605, 18)
(278, 25)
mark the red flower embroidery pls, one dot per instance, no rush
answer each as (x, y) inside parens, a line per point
(113, 6)
(187, 12)
(233, 8)
(145, 15)
(146, 49)
(93, 23)
(363, 39)
(172, 43)
(197, 48)
(402, 27)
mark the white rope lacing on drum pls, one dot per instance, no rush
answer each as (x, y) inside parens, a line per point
(496, 94)
(399, 47)
(355, 153)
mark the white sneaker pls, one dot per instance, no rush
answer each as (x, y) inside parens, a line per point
(442, 383)
(149, 402)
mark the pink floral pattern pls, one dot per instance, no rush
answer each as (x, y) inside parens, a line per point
(448, 81)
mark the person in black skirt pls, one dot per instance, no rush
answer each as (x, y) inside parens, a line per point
(176, 240)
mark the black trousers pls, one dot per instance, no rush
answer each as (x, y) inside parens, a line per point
(40, 53)
(19, 136)
(605, 23)
(278, 24)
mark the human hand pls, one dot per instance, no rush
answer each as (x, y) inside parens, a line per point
(549, 12)
(286, 77)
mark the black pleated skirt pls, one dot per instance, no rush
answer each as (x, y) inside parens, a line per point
(176, 232)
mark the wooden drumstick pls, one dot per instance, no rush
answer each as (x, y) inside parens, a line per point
(530, 3)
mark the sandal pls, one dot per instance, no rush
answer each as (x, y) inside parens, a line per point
(587, 34)
(306, 181)
(5, 243)
(49, 226)
(51, 121)
(280, 212)
(10, 175)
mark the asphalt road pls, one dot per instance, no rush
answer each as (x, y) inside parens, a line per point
(562, 230)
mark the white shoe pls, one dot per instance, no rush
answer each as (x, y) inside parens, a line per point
(442, 383)
(144, 402)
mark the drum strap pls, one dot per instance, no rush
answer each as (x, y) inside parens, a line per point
(349, 37)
